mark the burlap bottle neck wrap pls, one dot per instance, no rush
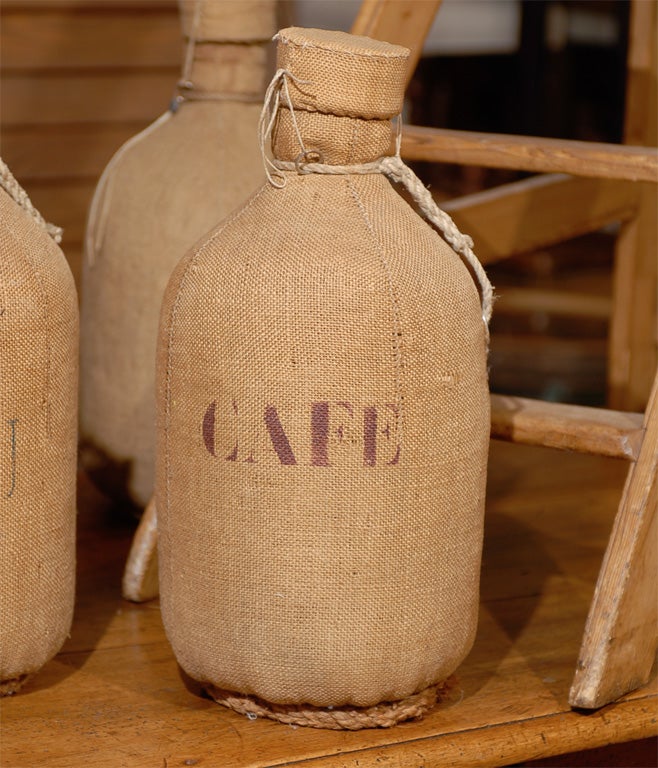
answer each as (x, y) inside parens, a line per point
(339, 96)
(328, 110)
(225, 49)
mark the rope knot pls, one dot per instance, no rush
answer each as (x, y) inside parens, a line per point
(278, 86)
(312, 161)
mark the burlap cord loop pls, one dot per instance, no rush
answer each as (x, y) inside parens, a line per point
(392, 167)
(184, 94)
(384, 715)
(20, 196)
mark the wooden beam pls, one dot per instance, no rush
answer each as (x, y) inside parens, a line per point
(78, 98)
(85, 6)
(567, 427)
(41, 154)
(557, 303)
(539, 212)
(92, 40)
(619, 645)
(526, 153)
(562, 366)
(633, 341)
(633, 352)
(402, 22)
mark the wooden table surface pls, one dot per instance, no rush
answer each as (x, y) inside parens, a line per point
(114, 696)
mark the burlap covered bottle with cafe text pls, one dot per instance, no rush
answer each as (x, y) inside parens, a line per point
(323, 417)
(160, 193)
(38, 438)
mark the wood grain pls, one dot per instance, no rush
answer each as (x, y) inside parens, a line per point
(634, 331)
(114, 697)
(558, 303)
(568, 427)
(621, 635)
(401, 22)
(530, 153)
(63, 152)
(125, 39)
(81, 98)
(78, 78)
(65, 203)
(84, 6)
(538, 212)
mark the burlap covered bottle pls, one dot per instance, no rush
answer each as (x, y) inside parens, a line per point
(323, 418)
(162, 191)
(38, 438)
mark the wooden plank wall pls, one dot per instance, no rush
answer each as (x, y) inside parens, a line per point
(78, 78)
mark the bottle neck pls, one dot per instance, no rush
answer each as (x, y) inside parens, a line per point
(228, 21)
(336, 140)
(223, 70)
(226, 47)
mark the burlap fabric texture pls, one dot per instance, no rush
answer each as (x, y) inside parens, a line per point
(38, 439)
(323, 421)
(160, 193)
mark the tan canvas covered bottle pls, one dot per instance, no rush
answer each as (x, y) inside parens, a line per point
(160, 193)
(38, 438)
(323, 418)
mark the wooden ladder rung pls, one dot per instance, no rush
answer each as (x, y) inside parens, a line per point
(530, 153)
(540, 211)
(568, 427)
(530, 300)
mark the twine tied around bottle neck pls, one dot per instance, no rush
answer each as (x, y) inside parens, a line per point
(186, 90)
(20, 196)
(392, 166)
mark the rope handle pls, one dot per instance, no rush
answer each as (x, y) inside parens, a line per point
(20, 196)
(393, 167)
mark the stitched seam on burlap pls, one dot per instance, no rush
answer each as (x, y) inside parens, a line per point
(339, 52)
(44, 304)
(395, 305)
(101, 198)
(350, 155)
(172, 322)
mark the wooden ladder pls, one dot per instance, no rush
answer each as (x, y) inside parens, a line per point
(620, 639)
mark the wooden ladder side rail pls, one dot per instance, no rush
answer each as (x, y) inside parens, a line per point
(401, 22)
(633, 340)
(620, 638)
(621, 634)
(540, 211)
(530, 153)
